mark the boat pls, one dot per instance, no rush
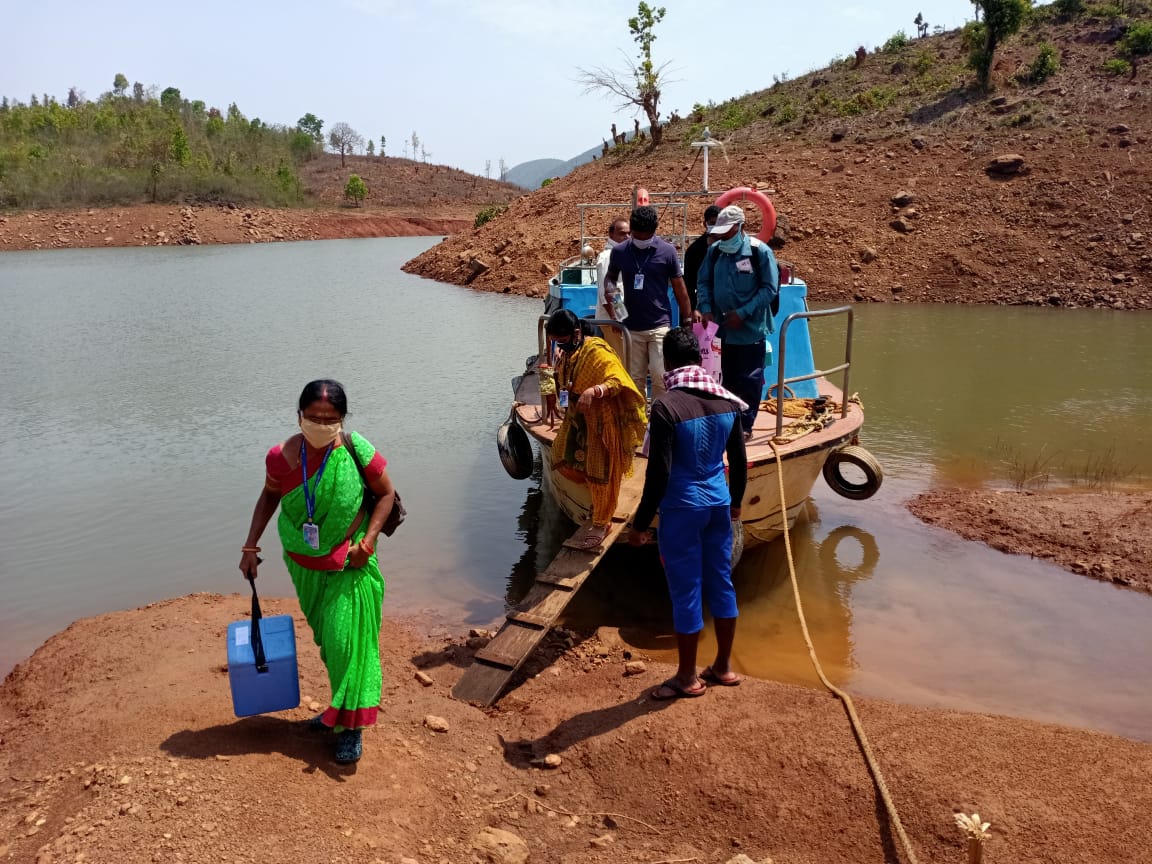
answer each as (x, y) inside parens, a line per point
(808, 426)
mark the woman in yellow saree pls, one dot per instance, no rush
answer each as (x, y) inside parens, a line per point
(603, 424)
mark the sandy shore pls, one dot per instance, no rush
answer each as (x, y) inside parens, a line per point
(118, 744)
(185, 225)
(1102, 535)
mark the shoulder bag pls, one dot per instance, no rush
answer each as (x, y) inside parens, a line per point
(398, 513)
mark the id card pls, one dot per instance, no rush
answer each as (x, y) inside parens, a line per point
(744, 265)
(312, 535)
(638, 282)
(562, 398)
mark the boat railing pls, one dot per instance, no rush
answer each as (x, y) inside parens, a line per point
(675, 233)
(542, 338)
(819, 373)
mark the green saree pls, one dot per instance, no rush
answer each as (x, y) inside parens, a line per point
(341, 603)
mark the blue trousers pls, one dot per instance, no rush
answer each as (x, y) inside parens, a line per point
(742, 371)
(696, 546)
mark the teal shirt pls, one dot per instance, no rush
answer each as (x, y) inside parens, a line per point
(723, 288)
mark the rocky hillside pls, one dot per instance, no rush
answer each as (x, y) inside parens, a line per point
(402, 183)
(896, 179)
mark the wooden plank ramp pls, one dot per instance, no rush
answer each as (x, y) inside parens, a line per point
(529, 622)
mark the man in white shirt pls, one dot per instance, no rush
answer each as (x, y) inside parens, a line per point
(618, 232)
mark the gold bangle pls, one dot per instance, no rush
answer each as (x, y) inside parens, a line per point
(250, 549)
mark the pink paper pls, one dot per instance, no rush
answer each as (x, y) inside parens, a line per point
(709, 347)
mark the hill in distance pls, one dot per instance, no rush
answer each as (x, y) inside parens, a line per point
(889, 176)
(530, 175)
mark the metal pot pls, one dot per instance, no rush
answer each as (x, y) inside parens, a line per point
(515, 448)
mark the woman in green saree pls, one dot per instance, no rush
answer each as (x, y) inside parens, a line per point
(330, 551)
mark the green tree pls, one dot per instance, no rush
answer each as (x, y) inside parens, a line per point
(170, 99)
(1137, 40)
(179, 146)
(302, 146)
(1002, 18)
(371, 147)
(313, 125)
(138, 92)
(640, 86)
(119, 84)
(215, 125)
(383, 141)
(355, 189)
(344, 140)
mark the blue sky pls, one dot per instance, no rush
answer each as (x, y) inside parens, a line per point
(476, 80)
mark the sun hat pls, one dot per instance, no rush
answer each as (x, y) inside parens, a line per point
(729, 216)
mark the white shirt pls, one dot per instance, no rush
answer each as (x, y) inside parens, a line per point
(601, 274)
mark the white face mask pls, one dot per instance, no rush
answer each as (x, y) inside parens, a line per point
(319, 435)
(644, 244)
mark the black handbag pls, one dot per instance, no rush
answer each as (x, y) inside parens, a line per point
(397, 514)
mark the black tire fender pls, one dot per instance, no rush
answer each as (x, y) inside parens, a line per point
(855, 455)
(514, 448)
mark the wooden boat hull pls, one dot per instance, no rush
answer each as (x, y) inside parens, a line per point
(763, 516)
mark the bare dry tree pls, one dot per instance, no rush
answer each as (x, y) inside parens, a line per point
(640, 84)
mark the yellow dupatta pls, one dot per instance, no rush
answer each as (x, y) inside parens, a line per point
(597, 444)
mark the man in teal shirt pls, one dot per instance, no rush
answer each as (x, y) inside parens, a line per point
(738, 287)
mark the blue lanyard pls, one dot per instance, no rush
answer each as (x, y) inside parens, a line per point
(310, 495)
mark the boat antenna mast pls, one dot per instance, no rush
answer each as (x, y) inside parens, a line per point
(705, 144)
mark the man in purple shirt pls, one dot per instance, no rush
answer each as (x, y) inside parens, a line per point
(648, 265)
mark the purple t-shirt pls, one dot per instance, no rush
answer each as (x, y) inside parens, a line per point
(647, 306)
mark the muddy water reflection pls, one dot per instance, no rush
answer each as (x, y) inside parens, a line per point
(197, 352)
(913, 613)
(910, 613)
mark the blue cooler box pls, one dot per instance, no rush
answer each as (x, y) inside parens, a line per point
(277, 689)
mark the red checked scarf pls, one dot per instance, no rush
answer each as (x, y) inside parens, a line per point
(695, 378)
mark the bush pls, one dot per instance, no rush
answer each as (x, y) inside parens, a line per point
(898, 40)
(1067, 10)
(547, 181)
(1109, 12)
(924, 61)
(1046, 64)
(1117, 67)
(488, 214)
(737, 115)
(1137, 40)
(356, 189)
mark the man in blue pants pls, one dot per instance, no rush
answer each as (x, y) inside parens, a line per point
(738, 286)
(692, 427)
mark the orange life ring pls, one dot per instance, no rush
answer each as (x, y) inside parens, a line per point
(763, 204)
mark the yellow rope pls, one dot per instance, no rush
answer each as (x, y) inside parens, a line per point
(857, 726)
(809, 415)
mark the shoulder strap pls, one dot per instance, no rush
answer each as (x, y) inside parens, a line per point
(713, 254)
(355, 457)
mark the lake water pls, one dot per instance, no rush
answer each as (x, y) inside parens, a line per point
(143, 388)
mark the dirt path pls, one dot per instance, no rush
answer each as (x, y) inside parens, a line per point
(117, 744)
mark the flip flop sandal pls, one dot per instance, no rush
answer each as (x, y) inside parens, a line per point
(349, 746)
(588, 541)
(679, 691)
(720, 681)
